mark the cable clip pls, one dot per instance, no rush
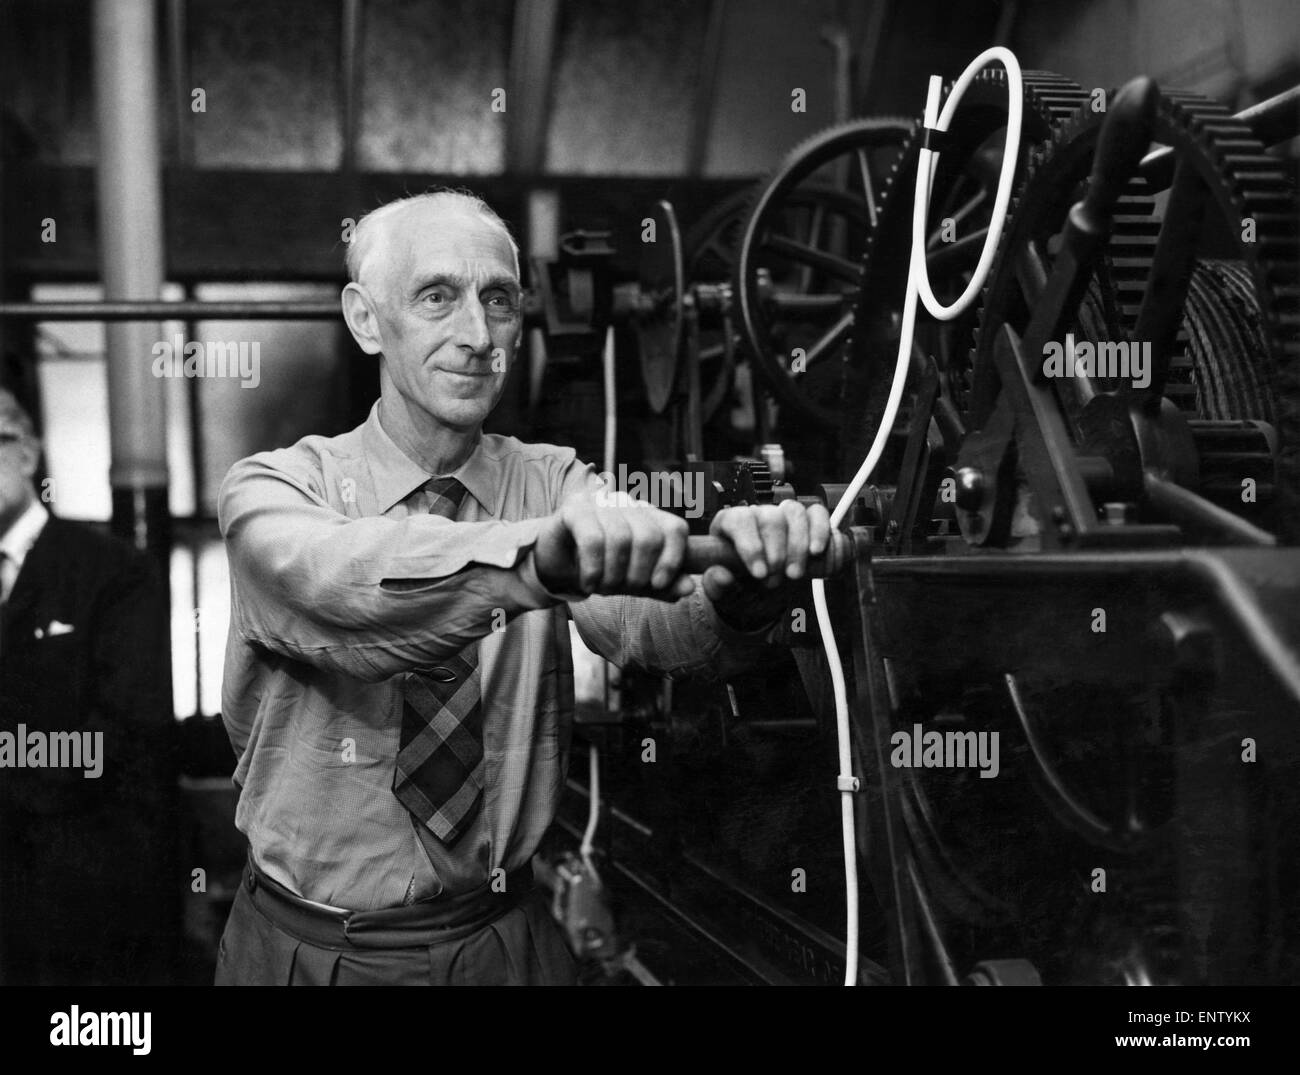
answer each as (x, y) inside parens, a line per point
(847, 783)
(935, 140)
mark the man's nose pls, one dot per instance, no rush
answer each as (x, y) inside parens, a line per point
(472, 328)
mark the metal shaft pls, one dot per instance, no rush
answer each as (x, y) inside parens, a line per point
(129, 182)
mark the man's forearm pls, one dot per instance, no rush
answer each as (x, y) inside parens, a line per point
(373, 596)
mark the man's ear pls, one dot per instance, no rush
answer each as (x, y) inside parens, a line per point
(31, 458)
(362, 321)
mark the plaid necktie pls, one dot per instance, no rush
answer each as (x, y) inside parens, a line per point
(439, 771)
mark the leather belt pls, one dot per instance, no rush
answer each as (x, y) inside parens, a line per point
(417, 925)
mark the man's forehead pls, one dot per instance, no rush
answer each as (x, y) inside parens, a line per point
(427, 239)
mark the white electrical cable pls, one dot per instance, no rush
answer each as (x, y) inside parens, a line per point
(593, 812)
(611, 400)
(918, 284)
(611, 441)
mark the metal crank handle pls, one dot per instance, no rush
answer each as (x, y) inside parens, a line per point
(703, 553)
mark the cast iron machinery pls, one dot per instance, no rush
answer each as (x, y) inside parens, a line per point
(1094, 563)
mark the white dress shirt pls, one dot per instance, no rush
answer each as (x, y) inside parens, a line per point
(17, 543)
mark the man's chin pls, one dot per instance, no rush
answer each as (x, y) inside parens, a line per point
(464, 416)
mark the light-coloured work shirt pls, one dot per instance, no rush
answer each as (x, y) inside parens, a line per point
(340, 582)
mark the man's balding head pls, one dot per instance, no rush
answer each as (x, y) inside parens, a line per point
(435, 292)
(377, 231)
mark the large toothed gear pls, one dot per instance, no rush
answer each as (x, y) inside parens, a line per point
(1237, 355)
(965, 182)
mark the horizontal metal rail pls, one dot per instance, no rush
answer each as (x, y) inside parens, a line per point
(290, 309)
(187, 310)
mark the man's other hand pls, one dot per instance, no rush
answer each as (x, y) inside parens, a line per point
(608, 543)
(774, 543)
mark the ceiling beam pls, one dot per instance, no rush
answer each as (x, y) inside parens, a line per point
(706, 87)
(350, 84)
(528, 95)
(285, 225)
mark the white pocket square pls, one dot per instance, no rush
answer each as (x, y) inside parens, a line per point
(56, 627)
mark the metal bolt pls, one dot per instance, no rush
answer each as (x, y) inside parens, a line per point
(970, 488)
(1118, 512)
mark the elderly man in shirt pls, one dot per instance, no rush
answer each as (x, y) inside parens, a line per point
(398, 676)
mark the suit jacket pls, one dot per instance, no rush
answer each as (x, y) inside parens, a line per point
(89, 885)
(86, 648)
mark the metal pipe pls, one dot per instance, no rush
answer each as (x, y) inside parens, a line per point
(1188, 509)
(178, 58)
(187, 310)
(129, 184)
(350, 81)
(194, 540)
(324, 309)
(870, 47)
(706, 88)
(532, 53)
(1275, 119)
(1006, 23)
(1271, 121)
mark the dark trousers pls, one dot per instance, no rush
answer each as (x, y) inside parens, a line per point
(483, 938)
(87, 898)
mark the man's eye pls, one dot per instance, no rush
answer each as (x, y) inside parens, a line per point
(436, 297)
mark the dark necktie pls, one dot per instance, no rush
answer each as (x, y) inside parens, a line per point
(439, 771)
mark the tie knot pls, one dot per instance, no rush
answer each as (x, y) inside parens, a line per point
(445, 495)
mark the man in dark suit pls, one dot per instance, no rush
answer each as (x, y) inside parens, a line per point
(88, 879)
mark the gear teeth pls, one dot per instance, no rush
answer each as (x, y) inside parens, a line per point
(1050, 99)
(1244, 182)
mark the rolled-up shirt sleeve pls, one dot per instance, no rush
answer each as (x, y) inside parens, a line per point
(373, 596)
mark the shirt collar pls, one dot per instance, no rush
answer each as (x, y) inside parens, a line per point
(20, 537)
(396, 475)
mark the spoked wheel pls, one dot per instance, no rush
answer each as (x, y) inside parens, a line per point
(658, 330)
(711, 249)
(799, 265)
